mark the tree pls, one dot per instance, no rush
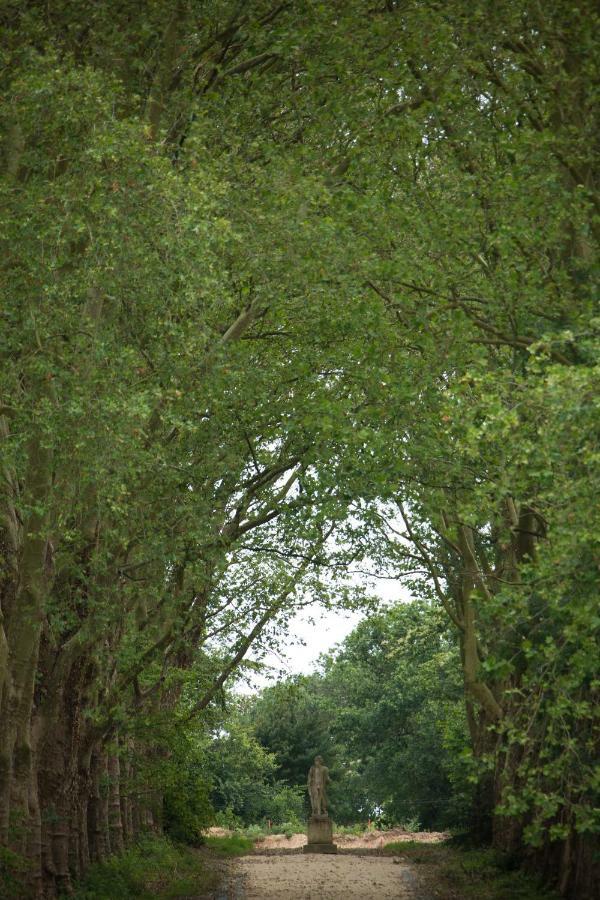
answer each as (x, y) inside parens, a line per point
(150, 428)
(488, 277)
(269, 269)
(386, 713)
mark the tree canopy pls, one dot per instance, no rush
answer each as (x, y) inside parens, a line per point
(286, 286)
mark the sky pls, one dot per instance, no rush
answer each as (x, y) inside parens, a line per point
(315, 631)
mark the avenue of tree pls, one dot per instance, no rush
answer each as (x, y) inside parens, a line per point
(286, 286)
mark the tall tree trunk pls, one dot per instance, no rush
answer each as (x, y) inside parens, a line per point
(115, 820)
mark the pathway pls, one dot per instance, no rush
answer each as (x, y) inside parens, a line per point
(295, 876)
(277, 869)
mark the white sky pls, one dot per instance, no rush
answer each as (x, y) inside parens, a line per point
(307, 639)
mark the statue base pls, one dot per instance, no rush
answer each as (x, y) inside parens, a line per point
(320, 836)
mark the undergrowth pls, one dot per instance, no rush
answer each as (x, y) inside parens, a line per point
(356, 830)
(13, 872)
(468, 874)
(255, 832)
(230, 844)
(153, 869)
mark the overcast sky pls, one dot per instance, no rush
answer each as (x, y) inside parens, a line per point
(307, 639)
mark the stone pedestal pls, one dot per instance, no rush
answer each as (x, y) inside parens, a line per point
(320, 835)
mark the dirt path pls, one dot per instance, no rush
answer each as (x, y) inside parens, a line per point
(277, 869)
(311, 876)
(368, 840)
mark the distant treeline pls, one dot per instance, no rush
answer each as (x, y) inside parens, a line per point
(386, 712)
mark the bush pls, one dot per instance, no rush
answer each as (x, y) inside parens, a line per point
(288, 828)
(230, 845)
(154, 869)
(411, 825)
(226, 818)
(255, 832)
(187, 809)
(286, 804)
(187, 813)
(357, 829)
(470, 874)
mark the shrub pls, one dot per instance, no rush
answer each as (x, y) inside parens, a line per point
(288, 828)
(254, 832)
(230, 845)
(154, 869)
(286, 804)
(187, 813)
(226, 818)
(357, 829)
(411, 825)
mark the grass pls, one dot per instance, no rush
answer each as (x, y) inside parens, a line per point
(154, 869)
(465, 874)
(230, 845)
(356, 830)
(157, 869)
(256, 832)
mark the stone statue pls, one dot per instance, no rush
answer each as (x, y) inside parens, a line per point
(320, 827)
(318, 779)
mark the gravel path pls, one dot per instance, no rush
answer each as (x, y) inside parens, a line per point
(320, 877)
(278, 870)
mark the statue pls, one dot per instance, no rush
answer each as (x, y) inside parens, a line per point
(320, 827)
(318, 779)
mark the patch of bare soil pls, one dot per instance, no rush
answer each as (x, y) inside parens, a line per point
(369, 840)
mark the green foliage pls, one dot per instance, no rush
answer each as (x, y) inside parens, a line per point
(174, 761)
(226, 818)
(153, 868)
(187, 809)
(356, 829)
(396, 687)
(285, 805)
(13, 872)
(554, 615)
(477, 874)
(387, 714)
(244, 786)
(230, 845)
(187, 812)
(255, 832)
(242, 773)
(292, 287)
(292, 721)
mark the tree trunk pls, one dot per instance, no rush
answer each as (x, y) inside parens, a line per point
(115, 820)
